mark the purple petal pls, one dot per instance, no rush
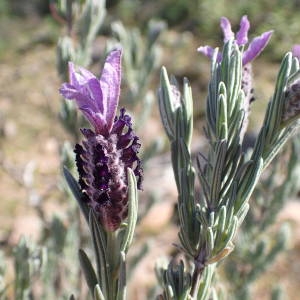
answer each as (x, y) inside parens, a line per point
(83, 100)
(256, 46)
(242, 34)
(95, 92)
(86, 91)
(296, 51)
(88, 81)
(74, 77)
(226, 27)
(110, 82)
(68, 91)
(209, 52)
(96, 119)
(97, 99)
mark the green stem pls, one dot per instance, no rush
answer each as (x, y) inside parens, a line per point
(113, 250)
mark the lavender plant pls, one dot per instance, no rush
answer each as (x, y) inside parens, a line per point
(250, 262)
(69, 48)
(208, 222)
(109, 174)
(82, 21)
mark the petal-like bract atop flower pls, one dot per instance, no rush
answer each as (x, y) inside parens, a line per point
(226, 27)
(242, 34)
(209, 52)
(96, 98)
(296, 51)
(255, 47)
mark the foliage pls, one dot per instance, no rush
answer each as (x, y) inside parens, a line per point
(248, 263)
(228, 177)
(209, 221)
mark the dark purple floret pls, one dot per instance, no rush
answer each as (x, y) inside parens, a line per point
(102, 164)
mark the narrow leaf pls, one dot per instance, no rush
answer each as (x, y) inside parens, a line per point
(122, 278)
(99, 242)
(74, 187)
(132, 211)
(98, 295)
(88, 270)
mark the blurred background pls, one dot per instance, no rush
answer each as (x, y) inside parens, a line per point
(32, 136)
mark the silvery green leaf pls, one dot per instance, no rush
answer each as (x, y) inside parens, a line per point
(227, 237)
(155, 28)
(98, 295)
(121, 294)
(167, 104)
(88, 270)
(218, 173)
(280, 142)
(176, 282)
(65, 52)
(188, 109)
(248, 183)
(60, 232)
(210, 242)
(67, 156)
(91, 20)
(74, 187)
(204, 288)
(222, 126)
(274, 113)
(100, 242)
(132, 211)
(295, 72)
(222, 218)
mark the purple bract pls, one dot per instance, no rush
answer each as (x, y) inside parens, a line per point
(108, 150)
(96, 98)
(296, 51)
(241, 38)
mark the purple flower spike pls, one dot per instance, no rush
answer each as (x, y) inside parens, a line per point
(102, 164)
(256, 47)
(97, 99)
(111, 148)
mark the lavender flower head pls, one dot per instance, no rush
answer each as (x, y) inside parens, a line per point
(255, 47)
(110, 148)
